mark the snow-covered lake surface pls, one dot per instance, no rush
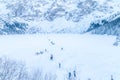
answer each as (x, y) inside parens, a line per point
(92, 56)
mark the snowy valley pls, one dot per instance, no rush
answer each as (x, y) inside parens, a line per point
(59, 39)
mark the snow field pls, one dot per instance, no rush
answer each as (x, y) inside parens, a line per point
(92, 56)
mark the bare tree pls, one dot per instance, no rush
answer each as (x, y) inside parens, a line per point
(14, 70)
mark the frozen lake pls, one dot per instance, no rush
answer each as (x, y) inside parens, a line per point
(92, 56)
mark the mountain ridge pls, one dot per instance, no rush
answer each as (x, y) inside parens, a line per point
(46, 16)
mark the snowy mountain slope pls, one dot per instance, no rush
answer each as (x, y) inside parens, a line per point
(58, 16)
(12, 27)
(106, 27)
(91, 56)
